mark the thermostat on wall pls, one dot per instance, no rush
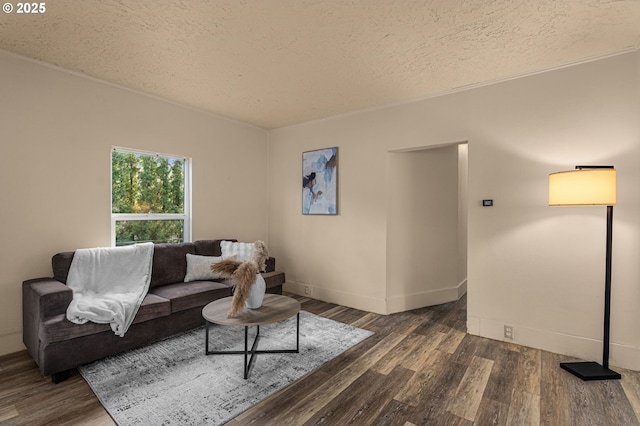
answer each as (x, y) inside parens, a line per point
(487, 203)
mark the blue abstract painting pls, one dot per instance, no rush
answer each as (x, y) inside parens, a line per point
(320, 181)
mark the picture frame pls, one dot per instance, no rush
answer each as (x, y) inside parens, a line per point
(320, 182)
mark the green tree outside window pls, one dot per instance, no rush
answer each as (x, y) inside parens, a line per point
(147, 197)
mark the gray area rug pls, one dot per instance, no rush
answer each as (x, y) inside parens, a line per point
(172, 382)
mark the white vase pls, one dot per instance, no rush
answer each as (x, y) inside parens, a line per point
(256, 293)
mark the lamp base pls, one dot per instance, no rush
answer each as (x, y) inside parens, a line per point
(589, 371)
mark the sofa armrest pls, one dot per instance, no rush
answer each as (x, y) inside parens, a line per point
(45, 297)
(270, 264)
(41, 298)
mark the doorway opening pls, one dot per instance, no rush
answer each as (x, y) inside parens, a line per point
(426, 226)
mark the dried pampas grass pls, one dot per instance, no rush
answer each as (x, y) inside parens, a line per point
(243, 274)
(260, 254)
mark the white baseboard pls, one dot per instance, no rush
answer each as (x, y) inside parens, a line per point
(407, 302)
(11, 343)
(351, 300)
(370, 304)
(572, 346)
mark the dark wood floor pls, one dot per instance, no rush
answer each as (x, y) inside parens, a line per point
(419, 368)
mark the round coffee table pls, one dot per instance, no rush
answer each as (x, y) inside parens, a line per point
(275, 308)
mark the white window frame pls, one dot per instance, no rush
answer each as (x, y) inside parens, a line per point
(186, 216)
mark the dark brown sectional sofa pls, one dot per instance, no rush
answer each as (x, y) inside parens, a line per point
(171, 306)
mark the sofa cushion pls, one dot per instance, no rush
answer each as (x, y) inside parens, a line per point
(209, 247)
(61, 262)
(242, 251)
(192, 295)
(199, 268)
(58, 328)
(153, 306)
(170, 263)
(169, 260)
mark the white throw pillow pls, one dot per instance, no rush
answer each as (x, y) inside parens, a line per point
(199, 268)
(242, 251)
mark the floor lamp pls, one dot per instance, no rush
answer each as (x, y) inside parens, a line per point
(590, 186)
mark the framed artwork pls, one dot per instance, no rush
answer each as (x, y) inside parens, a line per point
(320, 181)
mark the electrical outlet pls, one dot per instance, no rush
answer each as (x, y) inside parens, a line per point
(307, 290)
(508, 332)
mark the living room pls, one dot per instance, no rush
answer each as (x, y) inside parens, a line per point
(529, 266)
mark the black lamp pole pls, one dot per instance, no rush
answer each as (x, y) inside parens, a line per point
(607, 292)
(593, 370)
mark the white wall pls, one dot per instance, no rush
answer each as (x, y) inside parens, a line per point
(534, 267)
(57, 132)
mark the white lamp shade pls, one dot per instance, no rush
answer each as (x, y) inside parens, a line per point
(583, 187)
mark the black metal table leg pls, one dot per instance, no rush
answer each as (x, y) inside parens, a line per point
(206, 339)
(254, 351)
(246, 337)
(248, 361)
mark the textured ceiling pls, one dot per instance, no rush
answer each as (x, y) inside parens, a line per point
(279, 62)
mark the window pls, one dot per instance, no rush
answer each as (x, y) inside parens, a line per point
(150, 198)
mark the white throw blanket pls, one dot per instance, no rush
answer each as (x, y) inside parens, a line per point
(109, 284)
